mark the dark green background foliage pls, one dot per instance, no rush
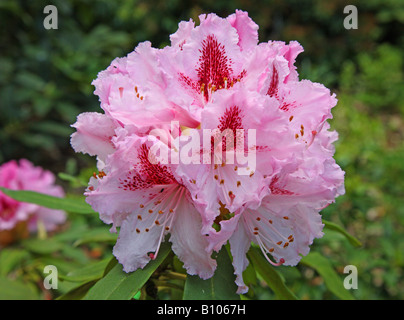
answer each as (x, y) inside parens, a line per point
(45, 82)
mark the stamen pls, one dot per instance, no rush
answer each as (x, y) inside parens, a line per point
(265, 250)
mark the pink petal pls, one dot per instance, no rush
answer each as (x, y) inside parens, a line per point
(239, 245)
(134, 244)
(189, 244)
(94, 134)
(246, 28)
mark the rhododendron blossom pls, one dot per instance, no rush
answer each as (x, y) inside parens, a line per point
(23, 175)
(261, 175)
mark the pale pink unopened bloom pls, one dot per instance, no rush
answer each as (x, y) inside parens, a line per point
(23, 175)
(217, 77)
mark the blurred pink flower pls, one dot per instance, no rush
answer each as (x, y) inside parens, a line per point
(23, 175)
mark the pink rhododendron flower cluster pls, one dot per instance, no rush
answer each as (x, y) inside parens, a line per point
(214, 78)
(23, 175)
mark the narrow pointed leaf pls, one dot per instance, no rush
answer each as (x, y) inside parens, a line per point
(118, 285)
(270, 275)
(331, 279)
(11, 258)
(220, 287)
(16, 290)
(78, 292)
(87, 273)
(97, 235)
(44, 200)
(333, 226)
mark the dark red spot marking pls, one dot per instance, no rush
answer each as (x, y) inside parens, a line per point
(214, 69)
(147, 174)
(273, 86)
(276, 189)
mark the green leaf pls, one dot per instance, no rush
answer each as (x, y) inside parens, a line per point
(43, 247)
(333, 226)
(10, 258)
(118, 285)
(44, 200)
(97, 235)
(331, 279)
(88, 273)
(75, 180)
(270, 275)
(16, 290)
(63, 265)
(78, 292)
(111, 264)
(220, 287)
